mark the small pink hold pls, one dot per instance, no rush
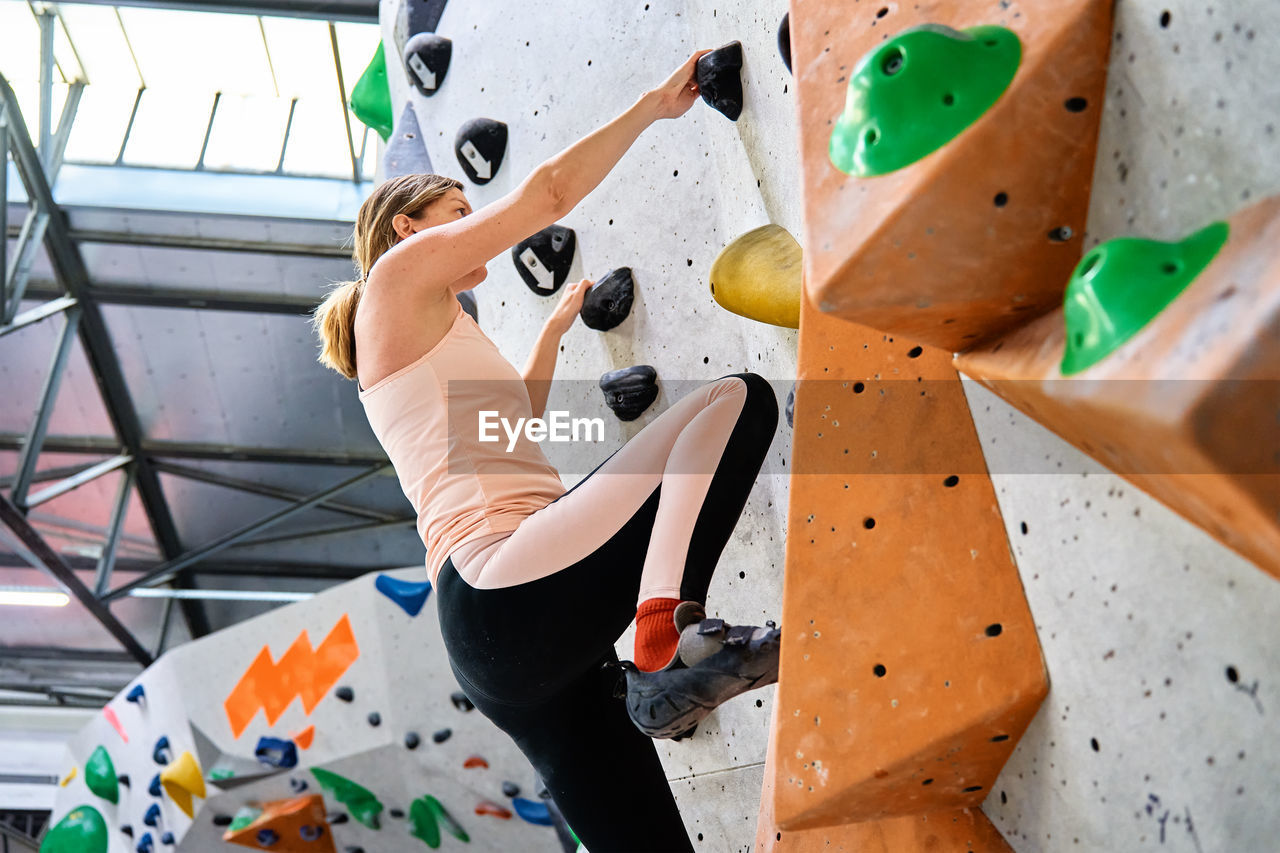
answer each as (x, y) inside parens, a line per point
(114, 721)
(475, 761)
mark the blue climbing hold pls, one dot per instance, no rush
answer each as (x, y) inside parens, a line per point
(154, 788)
(532, 812)
(152, 816)
(410, 595)
(146, 845)
(167, 838)
(137, 694)
(267, 837)
(162, 753)
(277, 752)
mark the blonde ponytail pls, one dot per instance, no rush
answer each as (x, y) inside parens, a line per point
(335, 318)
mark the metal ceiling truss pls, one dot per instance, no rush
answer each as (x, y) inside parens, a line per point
(139, 460)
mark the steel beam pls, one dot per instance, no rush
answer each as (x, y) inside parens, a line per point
(45, 20)
(354, 11)
(70, 271)
(70, 107)
(119, 510)
(48, 560)
(166, 572)
(4, 213)
(48, 396)
(45, 475)
(75, 481)
(218, 569)
(196, 450)
(342, 102)
(24, 255)
(211, 244)
(203, 300)
(363, 527)
(166, 620)
(255, 488)
(40, 312)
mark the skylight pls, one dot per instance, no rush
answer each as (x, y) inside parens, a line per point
(196, 90)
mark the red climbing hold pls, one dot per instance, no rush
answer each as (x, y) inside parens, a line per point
(485, 807)
(303, 738)
(475, 761)
(110, 714)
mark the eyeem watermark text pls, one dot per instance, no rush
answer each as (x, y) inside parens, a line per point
(557, 426)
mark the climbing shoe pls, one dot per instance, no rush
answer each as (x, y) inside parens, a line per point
(714, 663)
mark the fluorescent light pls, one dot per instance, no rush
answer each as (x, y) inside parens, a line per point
(219, 594)
(33, 597)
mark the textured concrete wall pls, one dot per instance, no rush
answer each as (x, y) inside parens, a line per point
(1187, 136)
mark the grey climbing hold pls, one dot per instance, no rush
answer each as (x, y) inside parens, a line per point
(468, 300)
(510, 789)
(460, 701)
(346, 694)
(480, 145)
(784, 40)
(719, 78)
(543, 260)
(442, 735)
(426, 61)
(406, 150)
(791, 406)
(297, 785)
(608, 302)
(630, 390)
(411, 740)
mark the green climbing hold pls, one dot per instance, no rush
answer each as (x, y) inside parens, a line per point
(82, 831)
(245, 816)
(100, 775)
(371, 96)
(1123, 284)
(427, 815)
(918, 91)
(360, 801)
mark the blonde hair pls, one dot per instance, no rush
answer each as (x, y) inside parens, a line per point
(334, 319)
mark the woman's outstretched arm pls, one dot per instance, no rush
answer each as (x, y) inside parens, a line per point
(541, 365)
(437, 257)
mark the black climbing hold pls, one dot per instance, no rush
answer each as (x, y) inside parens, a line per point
(310, 832)
(123, 779)
(719, 77)
(460, 701)
(790, 408)
(468, 300)
(426, 61)
(424, 15)
(406, 151)
(375, 719)
(396, 813)
(510, 789)
(128, 830)
(784, 40)
(298, 785)
(346, 694)
(222, 820)
(411, 740)
(543, 260)
(630, 390)
(608, 302)
(442, 735)
(335, 818)
(350, 849)
(480, 145)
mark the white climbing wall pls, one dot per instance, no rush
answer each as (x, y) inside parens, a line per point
(399, 672)
(553, 72)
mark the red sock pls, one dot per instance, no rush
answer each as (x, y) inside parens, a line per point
(656, 634)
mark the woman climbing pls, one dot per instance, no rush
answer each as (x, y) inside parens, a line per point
(535, 584)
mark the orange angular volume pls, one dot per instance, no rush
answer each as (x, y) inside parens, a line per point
(963, 829)
(298, 826)
(485, 807)
(893, 526)
(303, 738)
(475, 761)
(982, 234)
(1186, 408)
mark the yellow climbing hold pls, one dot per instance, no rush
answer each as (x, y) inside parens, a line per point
(758, 277)
(66, 780)
(181, 779)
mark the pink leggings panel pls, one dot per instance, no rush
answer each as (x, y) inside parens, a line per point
(678, 450)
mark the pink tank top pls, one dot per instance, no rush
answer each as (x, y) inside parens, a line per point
(426, 416)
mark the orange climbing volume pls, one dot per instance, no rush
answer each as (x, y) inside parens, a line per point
(946, 170)
(910, 663)
(302, 672)
(297, 825)
(1186, 406)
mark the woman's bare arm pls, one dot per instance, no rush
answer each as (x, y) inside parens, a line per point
(437, 257)
(541, 365)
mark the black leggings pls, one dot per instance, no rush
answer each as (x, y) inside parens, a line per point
(530, 656)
